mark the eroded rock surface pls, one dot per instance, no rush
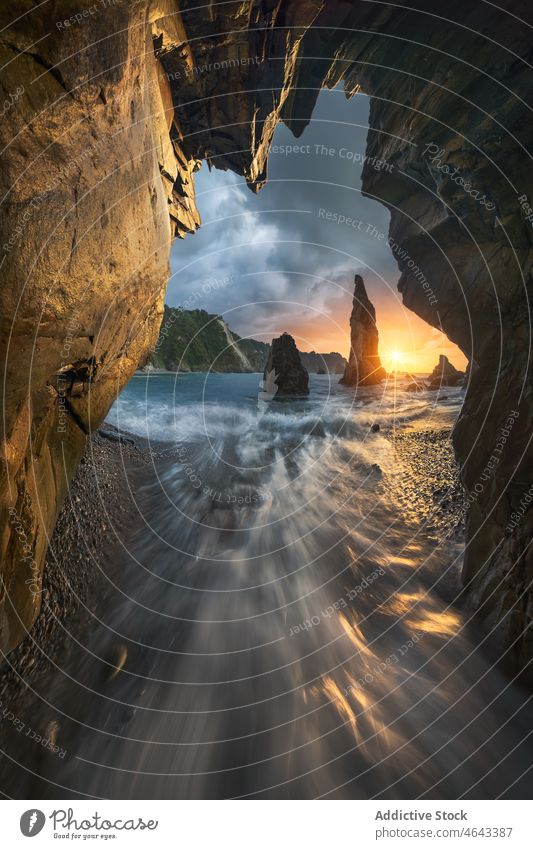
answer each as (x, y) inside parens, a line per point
(285, 368)
(92, 192)
(364, 365)
(108, 119)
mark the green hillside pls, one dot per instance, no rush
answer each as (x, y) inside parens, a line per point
(195, 340)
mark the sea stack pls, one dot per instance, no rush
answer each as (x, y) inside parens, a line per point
(364, 366)
(284, 361)
(444, 374)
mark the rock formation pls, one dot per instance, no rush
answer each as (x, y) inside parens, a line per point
(364, 366)
(285, 364)
(414, 384)
(445, 374)
(104, 123)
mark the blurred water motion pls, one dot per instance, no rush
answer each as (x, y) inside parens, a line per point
(282, 622)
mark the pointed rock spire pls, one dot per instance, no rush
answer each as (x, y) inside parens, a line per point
(364, 366)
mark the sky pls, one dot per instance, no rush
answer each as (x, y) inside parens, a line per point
(285, 259)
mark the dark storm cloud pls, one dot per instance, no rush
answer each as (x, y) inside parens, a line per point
(290, 252)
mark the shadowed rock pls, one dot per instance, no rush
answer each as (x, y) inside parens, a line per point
(364, 366)
(290, 376)
(445, 374)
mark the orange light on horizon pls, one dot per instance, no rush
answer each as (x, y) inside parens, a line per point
(406, 342)
(415, 348)
(394, 358)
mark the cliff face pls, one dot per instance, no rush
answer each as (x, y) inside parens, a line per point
(195, 340)
(364, 366)
(91, 190)
(104, 122)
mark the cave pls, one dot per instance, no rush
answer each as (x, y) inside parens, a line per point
(108, 118)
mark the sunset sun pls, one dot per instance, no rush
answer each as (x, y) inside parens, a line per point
(394, 358)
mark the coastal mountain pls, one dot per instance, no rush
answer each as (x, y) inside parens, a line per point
(195, 340)
(334, 363)
(364, 366)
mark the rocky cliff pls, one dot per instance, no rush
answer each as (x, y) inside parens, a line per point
(105, 118)
(364, 365)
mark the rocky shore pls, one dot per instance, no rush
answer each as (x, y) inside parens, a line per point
(432, 491)
(97, 514)
(101, 509)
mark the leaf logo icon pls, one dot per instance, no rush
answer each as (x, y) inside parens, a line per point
(269, 386)
(32, 822)
(267, 390)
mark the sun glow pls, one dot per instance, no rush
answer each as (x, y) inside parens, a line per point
(406, 343)
(392, 360)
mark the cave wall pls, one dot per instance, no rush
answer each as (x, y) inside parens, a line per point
(100, 149)
(92, 190)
